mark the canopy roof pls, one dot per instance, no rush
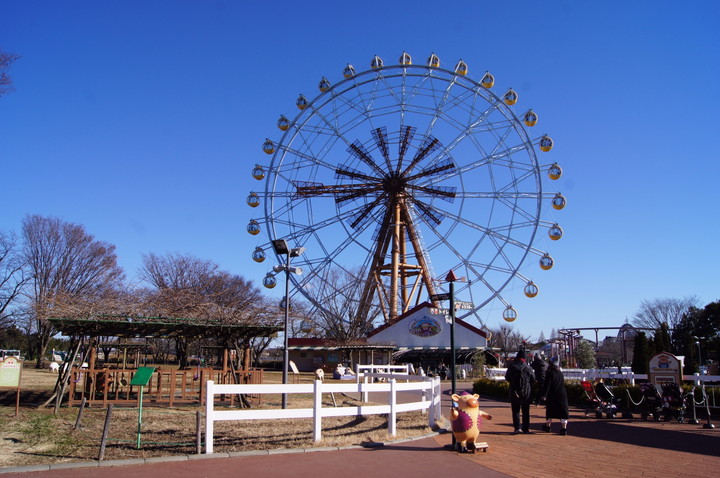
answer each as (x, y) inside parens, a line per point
(131, 326)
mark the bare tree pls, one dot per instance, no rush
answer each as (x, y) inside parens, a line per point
(12, 276)
(653, 313)
(6, 59)
(187, 287)
(67, 267)
(338, 319)
(507, 339)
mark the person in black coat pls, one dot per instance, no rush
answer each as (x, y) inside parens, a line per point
(520, 376)
(539, 366)
(555, 397)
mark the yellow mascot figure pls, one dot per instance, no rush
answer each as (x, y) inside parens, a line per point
(465, 418)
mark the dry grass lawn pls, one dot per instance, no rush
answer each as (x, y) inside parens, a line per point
(38, 436)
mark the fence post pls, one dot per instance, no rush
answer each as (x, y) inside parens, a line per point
(365, 395)
(392, 419)
(209, 424)
(317, 411)
(106, 429)
(431, 408)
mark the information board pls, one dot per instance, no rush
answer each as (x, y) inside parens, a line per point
(10, 369)
(665, 367)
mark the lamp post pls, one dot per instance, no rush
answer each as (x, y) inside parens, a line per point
(281, 248)
(451, 278)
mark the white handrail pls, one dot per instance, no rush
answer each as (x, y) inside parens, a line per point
(429, 386)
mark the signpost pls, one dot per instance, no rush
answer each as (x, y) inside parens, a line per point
(141, 378)
(10, 371)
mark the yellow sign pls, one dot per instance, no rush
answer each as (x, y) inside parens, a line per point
(10, 372)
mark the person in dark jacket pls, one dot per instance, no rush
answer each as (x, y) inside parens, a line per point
(539, 366)
(553, 392)
(520, 376)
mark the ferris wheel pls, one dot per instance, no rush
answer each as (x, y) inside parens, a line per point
(399, 174)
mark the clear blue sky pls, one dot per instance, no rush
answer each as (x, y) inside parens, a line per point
(142, 120)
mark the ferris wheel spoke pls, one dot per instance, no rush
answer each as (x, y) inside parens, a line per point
(357, 149)
(447, 102)
(331, 128)
(496, 232)
(295, 161)
(473, 127)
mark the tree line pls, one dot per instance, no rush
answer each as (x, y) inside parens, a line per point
(54, 268)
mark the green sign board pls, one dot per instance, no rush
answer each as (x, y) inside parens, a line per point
(10, 369)
(142, 376)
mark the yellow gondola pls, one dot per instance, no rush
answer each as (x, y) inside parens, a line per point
(405, 59)
(268, 146)
(555, 172)
(531, 290)
(258, 172)
(258, 254)
(546, 143)
(324, 84)
(555, 232)
(546, 262)
(376, 63)
(461, 68)
(283, 123)
(487, 80)
(253, 227)
(301, 102)
(433, 61)
(510, 97)
(559, 201)
(509, 314)
(530, 118)
(253, 200)
(269, 281)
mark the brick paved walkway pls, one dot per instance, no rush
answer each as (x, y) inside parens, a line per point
(605, 448)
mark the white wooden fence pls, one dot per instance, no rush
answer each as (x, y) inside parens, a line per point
(427, 391)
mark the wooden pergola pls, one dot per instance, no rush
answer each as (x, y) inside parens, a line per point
(168, 382)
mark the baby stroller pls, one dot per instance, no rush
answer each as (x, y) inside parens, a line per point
(652, 402)
(599, 399)
(675, 401)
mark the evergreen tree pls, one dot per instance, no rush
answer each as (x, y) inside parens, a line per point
(662, 339)
(585, 354)
(641, 355)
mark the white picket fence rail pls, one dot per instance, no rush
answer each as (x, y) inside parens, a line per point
(427, 391)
